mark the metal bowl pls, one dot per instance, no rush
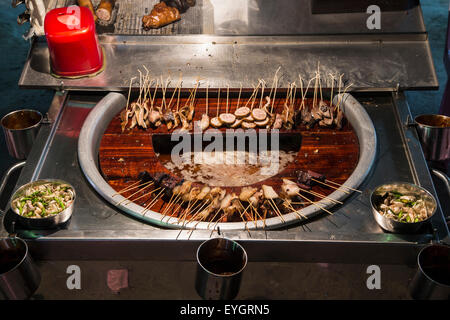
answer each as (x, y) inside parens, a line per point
(391, 225)
(47, 222)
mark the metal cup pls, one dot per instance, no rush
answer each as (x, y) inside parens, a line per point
(434, 134)
(220, 262)
(21, 128)
(432, 279)
(19, 276)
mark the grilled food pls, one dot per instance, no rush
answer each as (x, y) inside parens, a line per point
(104, 9)
(160, 16)
(88, 4)
(44, 200)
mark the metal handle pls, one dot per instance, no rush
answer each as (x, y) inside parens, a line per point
(446, 181)
(6, 177)
(443, 177)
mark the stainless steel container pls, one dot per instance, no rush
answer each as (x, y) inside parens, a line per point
(21, 128)
(47, 222)
(434, 134)
(19, 276)
(219, 269)
(391, 225)
(432, 279)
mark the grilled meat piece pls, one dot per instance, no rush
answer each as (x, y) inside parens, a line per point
(160, 16)
(304, 177)
(278, 123)
(104, 9)
(144, 176)
(169, 183)
(339, 119)
(324, 110)
(157, 177)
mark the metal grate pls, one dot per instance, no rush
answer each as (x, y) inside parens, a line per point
(127, 18)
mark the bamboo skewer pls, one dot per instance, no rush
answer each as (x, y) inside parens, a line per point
(127, 199)
(126, 188)
(262, 93)
(207, 86)
(300, 215)
(315, 204)
(325, 184)
(153, 202)
(142, 196)
(274, 94)
(343, 186)
(228, 92)
(239, 97)
(218, 98)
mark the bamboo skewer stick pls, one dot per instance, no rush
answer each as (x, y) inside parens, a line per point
(275, 208)
(128, 198)
(218, 98)
(171, 204)
(274, 94)
(343, 186)
(300, 215)
(239, 97)
(262, 93)
(126, 188)
(152, 202)
(315, 204)
(320, 195)
(228, 92)
(207, 86)
(129, 91)
(142, 196)
(273, 82)
(328, 185)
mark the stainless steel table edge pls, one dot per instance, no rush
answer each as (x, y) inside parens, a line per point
(372, 62)
(283, 245)
(41, 145)
(417, 161)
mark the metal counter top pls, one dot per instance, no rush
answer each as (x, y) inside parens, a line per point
(351, 235)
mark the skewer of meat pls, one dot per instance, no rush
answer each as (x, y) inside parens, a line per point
(204, 122)
(258, 114)
(216, 122)
(227, 118)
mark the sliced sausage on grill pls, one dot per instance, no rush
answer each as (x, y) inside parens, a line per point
(227, 118)
(242, 112)
(259, 114)
(216, 123)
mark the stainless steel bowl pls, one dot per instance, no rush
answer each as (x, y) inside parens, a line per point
(47, 222)
(391, 225)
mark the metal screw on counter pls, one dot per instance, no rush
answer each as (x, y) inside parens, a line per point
(220, 263)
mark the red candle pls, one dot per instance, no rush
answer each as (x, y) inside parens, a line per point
(72, 41)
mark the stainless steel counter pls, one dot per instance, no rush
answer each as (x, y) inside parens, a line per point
(351, 235)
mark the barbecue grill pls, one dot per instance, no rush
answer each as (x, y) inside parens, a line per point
(229, 45)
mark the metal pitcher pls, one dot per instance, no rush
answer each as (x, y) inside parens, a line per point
(19, 276)
(434, 135)
(21, 128)
(432, 279)
(220, 262)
